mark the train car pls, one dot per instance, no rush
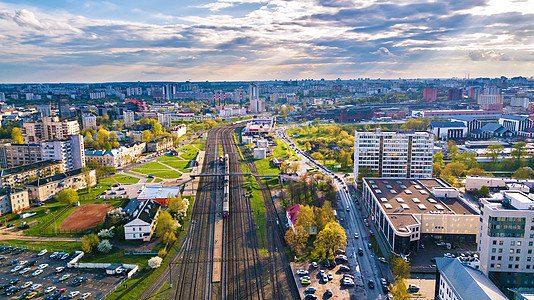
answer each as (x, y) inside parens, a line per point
(226, 200)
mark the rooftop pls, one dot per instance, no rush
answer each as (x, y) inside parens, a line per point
(147, 211)
(56, 177)
(447, 124)
(28, 167)
(466, 282)
(158, 192)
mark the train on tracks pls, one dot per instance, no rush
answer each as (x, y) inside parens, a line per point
(224, 161)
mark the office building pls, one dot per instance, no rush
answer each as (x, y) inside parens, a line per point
(506, 239)
(165, 119)
(12, 155)
(430, 94)
(405, 211)
(519, 102)
(519, 125)
(457, 281)
(129, 118)
(70, 151)
(393, 154)
(13, 200)
(481, 114)
(448, 130)
(64, 107)
(89, 121)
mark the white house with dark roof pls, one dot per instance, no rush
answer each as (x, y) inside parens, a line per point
(143, 222)
(519, 125)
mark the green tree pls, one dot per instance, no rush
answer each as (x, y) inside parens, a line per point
(102, 137)
(438, 159)
(494, 151)
(16, 135)
(329, 239)
(324, 215)
(478, 172)
(147, 136)
(297, 239)
(400, 267)
(68, 197)
(519, 151)
(89, 242)
(399, 290)
(523, 173)
(306, 218)
(484, 191)
(307, 146)
(318, 156)
(165, 224)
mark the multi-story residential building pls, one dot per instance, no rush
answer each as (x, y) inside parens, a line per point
(134, 91)
(489, 99)
(70, 151)
(430, 94)
(406, 210)
(89, 121)
(50, 128)
(160, 144)
(519, 102)
(179, 130)
(456, 281)
(129, 118)
(448, 130)
(44, 110)
(519, 125)
(506, 239)
(46, 188)
(12, 155)
(143, 222)
(455, 94)
(22, 174)
(137, 104)
(116, 157)
(165, 119)
(257, 105)
(13, 200)
(393, 154)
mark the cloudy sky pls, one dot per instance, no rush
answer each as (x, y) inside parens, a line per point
(131, 40)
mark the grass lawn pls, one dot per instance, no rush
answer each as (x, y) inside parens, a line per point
(156, 180)
(189, 155)
(166, 158)
(266, 167)
(125, 179)
(151, 166)
(178, 164)
(166, 174)
(116, 255)
(92, 194)
(51, 246)
(258, 206)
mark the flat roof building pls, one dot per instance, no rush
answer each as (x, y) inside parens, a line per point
(158, 193)
(406, 210)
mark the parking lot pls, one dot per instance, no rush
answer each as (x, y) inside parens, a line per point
(339, 291)
(97, 283)
(423, 257)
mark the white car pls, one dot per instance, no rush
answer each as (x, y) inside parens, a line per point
(26, 284)
(43, 266)
(53, 255)
(85, 295)
(22, 263)
(35, 286)
(64, 277)
(15, 269)
(302, 272)
(382, 259)
(50, 289)
(43, 252)
(60, 269)
(25, 270)
(73, 294)
(37, 272)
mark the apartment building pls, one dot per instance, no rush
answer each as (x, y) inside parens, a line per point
(50, 128)
(457, 281)
(24, 173)
(46, 188)
(162, 143)
(13, 200)
(12, 155)
(179, 130)
(393, 154)
(116, 157)
(89, 121)
(70, 151)
(506, 239)
(405, 211)
(165, 119)
(129, 118)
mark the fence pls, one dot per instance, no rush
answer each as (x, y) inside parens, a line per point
(139, 253)
(52, 219)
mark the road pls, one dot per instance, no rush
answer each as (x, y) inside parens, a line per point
(353, 223)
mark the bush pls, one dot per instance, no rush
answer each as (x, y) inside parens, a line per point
(104, 246)
(162, 253)
(107, 233)
(155, 262)
(89, 242)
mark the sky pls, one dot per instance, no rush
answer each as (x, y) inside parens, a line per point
(227, 40)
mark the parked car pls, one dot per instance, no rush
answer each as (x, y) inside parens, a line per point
(330, 276)
(315, 265)
(35, 286)
(53, 255)
(356, 236)
(26, 284)
(60, 269)
(305, 281)
(360, 251)
(15, 268)
(344, 269)
(25, 270)
(79, 280)
(43, 266)
(310, 290)
(302, 272)
(64, 277)
(49, 289)
(85, 295)
(382, 259)
(37, 272)
(43, 252)
(73, 294)
(371, 284)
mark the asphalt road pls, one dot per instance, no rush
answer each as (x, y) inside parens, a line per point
(353, 223)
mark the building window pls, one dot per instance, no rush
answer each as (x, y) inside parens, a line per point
(512, 243)
(498, 265)
(518, 251)
(518, 243)
(494, 242)
(511, 250)
(493, 250)
(500, 250)
(530, 243)
(517, 266)
(517, 258)
(492, 265)
(529, 258)
(493, 258)
(509, 266)
(499, 258)
(511, 258)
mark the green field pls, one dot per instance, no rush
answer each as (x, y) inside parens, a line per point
(120, 178)
(51, 246)
(266, 167)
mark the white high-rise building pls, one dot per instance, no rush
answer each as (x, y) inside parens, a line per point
(165, 120)
(2, 96)
(70, 151)
(506, 239)
(393, 154)
(129, 118)
(89, 121)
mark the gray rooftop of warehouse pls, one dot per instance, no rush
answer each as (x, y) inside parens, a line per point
(400, 198)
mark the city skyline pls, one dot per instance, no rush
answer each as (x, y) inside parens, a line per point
(233, 40)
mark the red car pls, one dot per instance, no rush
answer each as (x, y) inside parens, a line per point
(59, 291)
